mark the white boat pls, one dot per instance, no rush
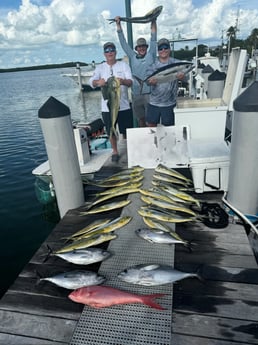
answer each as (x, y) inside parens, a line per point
(93, 150)
(81, 77)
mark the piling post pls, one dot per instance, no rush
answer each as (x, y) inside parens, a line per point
(243, 173)
(60, 145)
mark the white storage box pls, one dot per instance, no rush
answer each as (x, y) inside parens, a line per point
(209, 164)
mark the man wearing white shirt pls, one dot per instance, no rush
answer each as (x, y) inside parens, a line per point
(121, 70)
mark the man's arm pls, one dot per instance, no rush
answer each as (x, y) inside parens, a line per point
(125, 46)
(153, 40)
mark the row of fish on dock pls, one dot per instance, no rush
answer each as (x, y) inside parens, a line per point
(168, 201)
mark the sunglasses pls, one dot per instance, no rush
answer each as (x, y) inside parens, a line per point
(109, 50)
(163, 46)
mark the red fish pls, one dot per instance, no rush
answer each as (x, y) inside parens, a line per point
(106, 296)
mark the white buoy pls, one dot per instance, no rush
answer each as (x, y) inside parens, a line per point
(60, 145)
(243, 172)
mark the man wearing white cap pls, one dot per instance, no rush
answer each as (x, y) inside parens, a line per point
(139, 60)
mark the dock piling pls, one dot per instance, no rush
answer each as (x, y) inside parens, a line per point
(57, 130)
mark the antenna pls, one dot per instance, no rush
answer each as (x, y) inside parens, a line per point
(237, 22)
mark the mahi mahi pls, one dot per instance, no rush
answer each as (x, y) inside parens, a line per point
(167, 205)
(161, 168)
(112, 195)
(86, 242)
(146, 211)
(111, 93)
(92, 226)
(105, 229)
(107, 207)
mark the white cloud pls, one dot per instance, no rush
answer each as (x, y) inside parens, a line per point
(56, 30)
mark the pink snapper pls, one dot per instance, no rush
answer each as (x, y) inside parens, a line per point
(106, 296)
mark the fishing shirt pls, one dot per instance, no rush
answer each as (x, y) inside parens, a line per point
(120, 70)
(163, 94)
(139, 65)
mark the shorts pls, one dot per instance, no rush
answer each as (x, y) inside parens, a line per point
(163, 115)
(124, 120)
(139, 105)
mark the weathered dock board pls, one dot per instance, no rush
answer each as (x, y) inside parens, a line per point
(40, 313)
(224, 308)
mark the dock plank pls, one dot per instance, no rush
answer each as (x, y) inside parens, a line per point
(41, 305)
(13, 339)
(207, 329)
(32, 326)
(223, 308)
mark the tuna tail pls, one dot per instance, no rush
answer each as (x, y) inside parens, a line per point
(39, 277)
(189, 245)
(49, 253)
(199, 274)
(149, 300)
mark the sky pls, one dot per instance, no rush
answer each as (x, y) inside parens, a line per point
(38, 32)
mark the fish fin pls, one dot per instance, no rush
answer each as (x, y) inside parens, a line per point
(149, 300)
(104, 91)
(150, 267)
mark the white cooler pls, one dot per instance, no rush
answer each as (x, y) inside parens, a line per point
(209, 164)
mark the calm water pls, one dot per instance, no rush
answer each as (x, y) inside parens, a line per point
(25, 223)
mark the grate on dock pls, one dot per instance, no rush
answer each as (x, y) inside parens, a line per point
(132, 323)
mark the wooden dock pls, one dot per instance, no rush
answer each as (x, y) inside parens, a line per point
(220, 310)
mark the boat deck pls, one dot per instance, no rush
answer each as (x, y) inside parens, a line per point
(221, 309)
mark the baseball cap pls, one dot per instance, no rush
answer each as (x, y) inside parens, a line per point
(163, 41)
(141, 42)
(109, 44)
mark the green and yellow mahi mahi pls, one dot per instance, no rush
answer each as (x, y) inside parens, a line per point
(111, 92)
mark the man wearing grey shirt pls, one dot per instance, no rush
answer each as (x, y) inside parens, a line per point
(163, 96)
(140, 60)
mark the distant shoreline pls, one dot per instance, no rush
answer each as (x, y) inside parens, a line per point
(31, 68)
